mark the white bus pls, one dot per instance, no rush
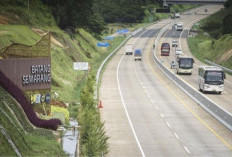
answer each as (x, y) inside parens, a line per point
(184, 65)
(211, 78)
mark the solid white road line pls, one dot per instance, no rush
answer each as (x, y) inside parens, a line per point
(187, 149)
(168, 124)
(128, 117)
(177, 136)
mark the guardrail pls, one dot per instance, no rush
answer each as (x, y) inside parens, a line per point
(215, 110)
(224, 68)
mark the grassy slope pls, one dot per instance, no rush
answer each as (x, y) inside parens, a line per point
(204, 47)
(29, 141)
(65, 81)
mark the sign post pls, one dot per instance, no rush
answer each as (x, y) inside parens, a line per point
(81, 66)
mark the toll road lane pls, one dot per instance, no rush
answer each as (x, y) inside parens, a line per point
(223, 100)
(147, 115)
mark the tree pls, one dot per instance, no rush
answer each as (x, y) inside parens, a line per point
(227, 22)
(228, 4)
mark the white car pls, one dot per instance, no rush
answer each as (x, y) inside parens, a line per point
(174, 43)
(178, 51)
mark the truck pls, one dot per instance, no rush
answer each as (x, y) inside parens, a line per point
(179, 26)
(184, 65)
(177, 15)
(129, 49)
(138, 54)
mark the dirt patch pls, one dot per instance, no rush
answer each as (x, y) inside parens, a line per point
(53, 40)
(3, 20)
(226, 56)
(39, 31)
(56, 42)
(3, 32)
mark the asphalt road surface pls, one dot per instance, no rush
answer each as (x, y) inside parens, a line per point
(145, 114)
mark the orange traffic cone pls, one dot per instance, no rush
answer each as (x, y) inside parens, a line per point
(100, 104)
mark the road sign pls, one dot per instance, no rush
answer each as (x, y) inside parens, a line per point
(80, 65)
(100, 44)
(163, 10)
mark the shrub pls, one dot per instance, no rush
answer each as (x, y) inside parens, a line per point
(93, 141)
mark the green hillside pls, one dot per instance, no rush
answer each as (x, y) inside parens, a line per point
(66, 48)
(211, 43)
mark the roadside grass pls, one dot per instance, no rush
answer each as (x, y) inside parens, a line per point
(49, 147)
(203, 47)
(217, 17)
(217, 50)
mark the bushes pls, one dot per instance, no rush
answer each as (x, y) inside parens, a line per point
(93, 141)
(63, 111)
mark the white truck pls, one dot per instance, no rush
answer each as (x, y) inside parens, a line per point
(179, 26)
(177, 15)
(129, 49)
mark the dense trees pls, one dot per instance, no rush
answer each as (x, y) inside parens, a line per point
(93, 14)
(89, 14)
(228, 4)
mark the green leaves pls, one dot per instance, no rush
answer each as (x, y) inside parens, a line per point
(93, 141)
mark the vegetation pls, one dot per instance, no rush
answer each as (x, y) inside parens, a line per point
(214, 39)
(80, 22)
(93, 139)
(28, 140)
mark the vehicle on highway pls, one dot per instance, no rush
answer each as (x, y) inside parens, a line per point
(165, 49)
(185, 65)
(173, 65)
(178, 51)
(211, 79)
(177, 15)
(129, 49)
(174, 43)
(172, 16)
(138, 54)
(179, 26)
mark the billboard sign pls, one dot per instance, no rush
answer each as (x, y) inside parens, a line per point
(80, 65)
(28, 73)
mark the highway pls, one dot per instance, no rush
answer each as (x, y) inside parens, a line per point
(223, 100)
(146, 114)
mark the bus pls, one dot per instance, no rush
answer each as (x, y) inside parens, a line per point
(184, 65)
(211, 79)
(165, 49)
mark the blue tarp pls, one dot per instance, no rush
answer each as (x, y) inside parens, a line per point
(100, 44)
(122, 31)
(109, 38)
